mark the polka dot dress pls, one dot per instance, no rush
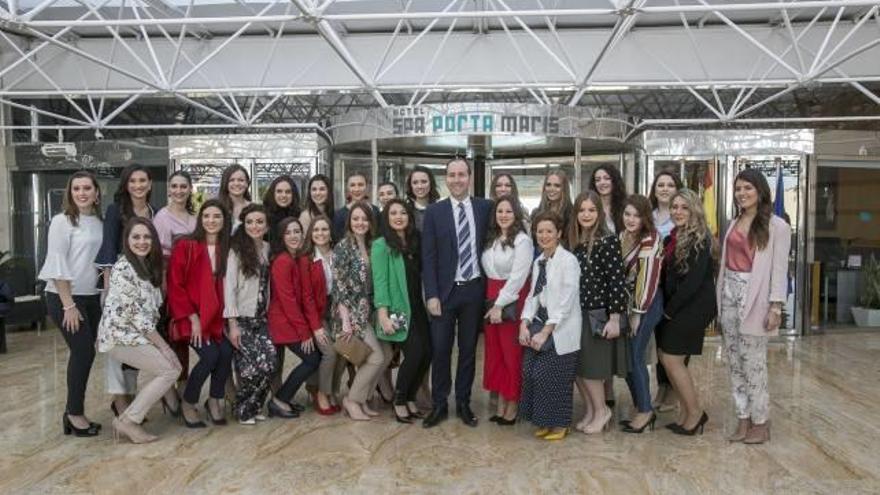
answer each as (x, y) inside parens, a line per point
(603, 285)
(546, 399)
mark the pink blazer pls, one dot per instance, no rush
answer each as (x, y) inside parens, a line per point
(768, 281)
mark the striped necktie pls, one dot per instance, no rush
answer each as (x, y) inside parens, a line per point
(465, 254)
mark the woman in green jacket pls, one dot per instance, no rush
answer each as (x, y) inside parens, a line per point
(397, 296)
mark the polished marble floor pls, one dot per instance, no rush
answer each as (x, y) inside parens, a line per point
(826, 439)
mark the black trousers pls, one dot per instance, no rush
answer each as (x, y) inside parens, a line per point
(416, 358)
(461, 317)
(215, 360)
(309, 364)
(81, 344)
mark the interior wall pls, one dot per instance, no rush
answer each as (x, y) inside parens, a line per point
(853, 214)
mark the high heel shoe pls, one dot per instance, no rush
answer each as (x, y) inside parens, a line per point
(167, 409)
(275, 411)
(217, 421)
(407, 420)
(556, 434)
(132, 431)
(681, 430)
(628, 427)
(603, 424)
(191, 424)
(329, 411)
(69, 429)
(502, 421)
(414, 414)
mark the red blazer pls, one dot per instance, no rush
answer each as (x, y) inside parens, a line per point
(314, 289)
(193, 289)
(287, 323)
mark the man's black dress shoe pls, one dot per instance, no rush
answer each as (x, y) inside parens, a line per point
(466, 415)
(437, 416)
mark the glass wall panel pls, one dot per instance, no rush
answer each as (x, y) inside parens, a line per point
(847, 236)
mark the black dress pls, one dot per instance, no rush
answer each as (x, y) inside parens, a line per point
(689, 302)
(603, 286)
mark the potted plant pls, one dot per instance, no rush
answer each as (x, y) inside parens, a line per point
(867, 313)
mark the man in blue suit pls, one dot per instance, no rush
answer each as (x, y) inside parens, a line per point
(452, 242)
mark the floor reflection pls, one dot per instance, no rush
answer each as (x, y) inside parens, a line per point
(826, 434)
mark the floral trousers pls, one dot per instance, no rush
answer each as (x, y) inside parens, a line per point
(746, 354)
(255, 364)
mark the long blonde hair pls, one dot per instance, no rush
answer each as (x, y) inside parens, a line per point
(694, 234)
(578, 235)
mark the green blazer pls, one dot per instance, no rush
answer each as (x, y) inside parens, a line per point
(389, 285)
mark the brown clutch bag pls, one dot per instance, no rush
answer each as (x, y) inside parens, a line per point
(354, 350)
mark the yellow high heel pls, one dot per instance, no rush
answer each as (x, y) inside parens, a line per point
(556, 434)
(541, 432)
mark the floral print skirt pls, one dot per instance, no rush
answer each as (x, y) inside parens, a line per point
(255, 363)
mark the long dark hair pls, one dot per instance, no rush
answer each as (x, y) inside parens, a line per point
(495, 229)
(223, 195)
(68, 205)
(576, 234)
(308, 247)
(643, 208)
(150, 267)
(433, 195)
(618, 193)
(242, 244)
(365, 207)
(190, 208)
(199, 234)
(313, 209)
(409, 245)
(759, 232)
(652, 194)
(122, 198)
(274, 212)
(278, 245)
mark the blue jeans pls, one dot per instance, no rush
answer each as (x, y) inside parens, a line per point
(637, 379)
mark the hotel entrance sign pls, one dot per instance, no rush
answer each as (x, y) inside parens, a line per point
(479, 118)
(420, 121)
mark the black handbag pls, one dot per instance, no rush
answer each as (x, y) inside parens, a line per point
(536, 326)
(598, 320)
(508, 313)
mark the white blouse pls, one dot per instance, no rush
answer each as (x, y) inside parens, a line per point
(327, 266)
(71, 254)
(513, 265)
(131, 309)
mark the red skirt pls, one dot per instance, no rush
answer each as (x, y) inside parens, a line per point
(502, 363)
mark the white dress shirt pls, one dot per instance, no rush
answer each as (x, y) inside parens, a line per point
(511, 264)
(71, 254)
(469, 211)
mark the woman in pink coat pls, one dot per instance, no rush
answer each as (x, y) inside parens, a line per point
(752, 288)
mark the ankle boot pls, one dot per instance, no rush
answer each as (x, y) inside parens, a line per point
(742, 429)
(758, 434)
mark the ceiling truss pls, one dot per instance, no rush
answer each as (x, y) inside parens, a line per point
(170, 65)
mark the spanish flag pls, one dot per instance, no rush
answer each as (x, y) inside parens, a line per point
(709, 206)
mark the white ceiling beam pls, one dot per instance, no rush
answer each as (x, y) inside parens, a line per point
(624, 23)
(332, 38)
(540, 13)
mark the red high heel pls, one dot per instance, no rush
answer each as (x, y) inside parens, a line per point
(330, 411)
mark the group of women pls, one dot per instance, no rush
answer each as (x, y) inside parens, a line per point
(576, 293)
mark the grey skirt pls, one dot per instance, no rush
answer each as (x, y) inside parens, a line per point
(600, 359)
